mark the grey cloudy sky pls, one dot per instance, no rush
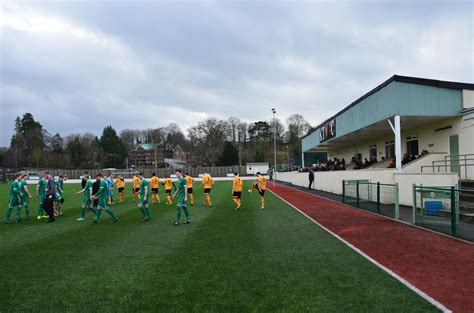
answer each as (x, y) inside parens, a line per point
(81, 65)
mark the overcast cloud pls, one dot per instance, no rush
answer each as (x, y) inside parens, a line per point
(79, 66)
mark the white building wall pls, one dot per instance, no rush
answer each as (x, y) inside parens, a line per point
(332, 181)
(253, 168)
(406, 180)
(466, 135)
(468, 99)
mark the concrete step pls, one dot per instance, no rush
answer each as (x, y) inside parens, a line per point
(467, 196)
(467, 217)
(467, 206)
(467, 184)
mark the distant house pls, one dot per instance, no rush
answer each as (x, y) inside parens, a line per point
(142, 154)
(179, 154)
(146, 155)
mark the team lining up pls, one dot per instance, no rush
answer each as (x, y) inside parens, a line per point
(98, 195)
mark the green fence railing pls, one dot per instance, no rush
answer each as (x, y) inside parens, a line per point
(375, 197)
(437, 207)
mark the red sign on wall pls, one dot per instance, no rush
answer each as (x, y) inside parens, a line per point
(328, 131)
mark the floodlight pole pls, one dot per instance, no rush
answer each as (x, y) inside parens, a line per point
(274, 146)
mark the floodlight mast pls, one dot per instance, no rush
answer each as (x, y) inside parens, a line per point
(274, 146)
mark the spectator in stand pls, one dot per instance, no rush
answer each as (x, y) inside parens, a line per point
(405, 159)
(392, 163)
(358, 165)
(366, 163)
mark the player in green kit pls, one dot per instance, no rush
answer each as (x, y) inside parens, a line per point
(41, 193)
(14, 200)
(182, 192)
(103, 196)
(25, 196)
(59, 195)
(87, 198)
(143, 200)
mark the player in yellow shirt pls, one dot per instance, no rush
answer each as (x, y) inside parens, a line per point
(207, 183)
(168, 183)
(136, 187)
(120, 183)
(261, 184)
(189, 186)
(155, 185)
(237, 190)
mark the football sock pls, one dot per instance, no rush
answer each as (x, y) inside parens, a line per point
(27, 211)
(178, 214)
(111, 213)
(98, 214)
(40, 210)
(191, 199)
(9, 213)
(186, 213)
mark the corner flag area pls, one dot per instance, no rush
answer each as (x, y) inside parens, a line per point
(274, 259)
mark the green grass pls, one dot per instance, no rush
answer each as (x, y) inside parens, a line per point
(251, 260)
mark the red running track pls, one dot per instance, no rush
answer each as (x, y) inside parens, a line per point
(440, 266)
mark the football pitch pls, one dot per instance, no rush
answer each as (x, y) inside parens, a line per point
(249, 260)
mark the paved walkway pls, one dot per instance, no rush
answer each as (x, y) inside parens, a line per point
(464, 231)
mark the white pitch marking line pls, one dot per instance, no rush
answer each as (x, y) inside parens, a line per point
(382, 267)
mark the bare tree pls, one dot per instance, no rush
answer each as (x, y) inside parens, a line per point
(279, 130)
(128, 137)
(208, 139)
(242, 132)
(233, 123)
(297, 126)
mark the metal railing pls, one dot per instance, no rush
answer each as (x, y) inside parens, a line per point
(375, 197)
(436, 207)
(461, 164)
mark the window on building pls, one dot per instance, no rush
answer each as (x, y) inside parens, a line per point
(373, 151)
(390, 149)
(412, 145)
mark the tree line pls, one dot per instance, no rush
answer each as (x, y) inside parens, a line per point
(211, 142)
